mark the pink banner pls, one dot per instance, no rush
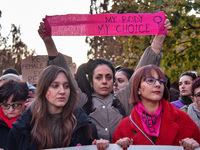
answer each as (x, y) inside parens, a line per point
(105, 24)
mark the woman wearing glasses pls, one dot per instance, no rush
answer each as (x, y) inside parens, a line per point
(154, 120)
(13, 95)
(194, 108)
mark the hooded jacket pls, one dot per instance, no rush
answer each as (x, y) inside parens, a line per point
(20, 133)
(175, 126)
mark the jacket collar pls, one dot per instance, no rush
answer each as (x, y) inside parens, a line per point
(82, 118)
(169, 127)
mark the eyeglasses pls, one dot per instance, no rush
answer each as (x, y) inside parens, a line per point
(14, 106)
(152, 81)
(197, 96)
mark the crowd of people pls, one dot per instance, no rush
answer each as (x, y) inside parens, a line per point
(100, 104)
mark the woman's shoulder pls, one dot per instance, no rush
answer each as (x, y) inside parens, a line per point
(178, 104)
(2, 123)
(124, 123)
(176, 101)
(81, 116)
(23, 122)
(179, 116)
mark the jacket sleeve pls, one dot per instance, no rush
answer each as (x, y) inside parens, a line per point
(61, 62)
(94, 131)
(11, 141)
(148, 57)
(123, 130)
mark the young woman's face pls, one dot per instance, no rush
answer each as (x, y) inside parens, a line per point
(15, 110)
(151, 92)
(102, 80)
(120, 81)
(197, 97)
(185, 84)
(58, 94)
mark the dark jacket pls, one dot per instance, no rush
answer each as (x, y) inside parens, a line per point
(19, 136)
(4, 131)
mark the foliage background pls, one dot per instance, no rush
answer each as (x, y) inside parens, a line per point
(181, 49)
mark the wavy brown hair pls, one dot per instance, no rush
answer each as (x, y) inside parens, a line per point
(145, 71)
(41, 130)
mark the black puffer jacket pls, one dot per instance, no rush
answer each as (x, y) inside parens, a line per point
(4, 130)
(19, 136)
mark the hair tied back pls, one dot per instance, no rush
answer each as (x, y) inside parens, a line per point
(88, 64)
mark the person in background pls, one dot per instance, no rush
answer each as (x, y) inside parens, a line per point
(99, 74)
(53, 119)
(31, 94)
(185, 83)
(9, 76)
(13, 95)
(10, 70)
(14, 75)
(148, 123)
(174, 94)
(122, 77)
(174, 91)
(194, 108)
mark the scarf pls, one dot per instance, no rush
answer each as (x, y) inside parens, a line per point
(151, 122)
(194, 114)
(185, 99)
(6, 120)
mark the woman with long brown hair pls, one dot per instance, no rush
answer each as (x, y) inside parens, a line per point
(53, 119)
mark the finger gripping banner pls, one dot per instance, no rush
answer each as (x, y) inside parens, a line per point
(105, 24)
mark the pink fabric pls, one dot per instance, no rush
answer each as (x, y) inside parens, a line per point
(151, 122)
(105, 24)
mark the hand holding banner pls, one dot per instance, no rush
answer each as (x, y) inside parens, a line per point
(105, 24)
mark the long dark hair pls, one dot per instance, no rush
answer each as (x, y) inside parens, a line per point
(41, 131)
(190, 74)
(84, 76)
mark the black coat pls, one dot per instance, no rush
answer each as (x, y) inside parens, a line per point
(4, 131)
(19, 136)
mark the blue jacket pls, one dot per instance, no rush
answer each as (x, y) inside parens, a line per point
(20, 137)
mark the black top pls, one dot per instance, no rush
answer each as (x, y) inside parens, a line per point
(19, 136)
(4, 131)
